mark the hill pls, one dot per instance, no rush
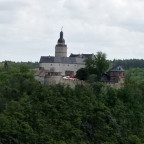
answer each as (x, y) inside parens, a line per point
(32, 113)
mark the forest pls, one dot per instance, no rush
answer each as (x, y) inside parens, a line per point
(130, 63)
(31, 113)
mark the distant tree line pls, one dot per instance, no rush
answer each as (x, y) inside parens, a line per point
(31, 65)
(130, 63)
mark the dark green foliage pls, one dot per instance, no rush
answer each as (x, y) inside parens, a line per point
(136, 75)
(130, 63)
(5, 65)
(31, 65)
(95, 67)
(92, 78)
(82, 74)
(31, 113)
(101, 63)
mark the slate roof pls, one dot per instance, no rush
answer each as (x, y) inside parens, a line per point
(87, 55)
(67, 60)
(81, 55)
(117, 68)
(74, 55)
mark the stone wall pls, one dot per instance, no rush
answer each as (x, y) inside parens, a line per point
(61, 51)
(117, 85)
(52, 80)
(61, 67)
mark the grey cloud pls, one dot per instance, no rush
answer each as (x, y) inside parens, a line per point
(114, 27)
(9, 10)
(11, 5)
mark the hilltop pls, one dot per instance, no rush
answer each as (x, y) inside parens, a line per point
(33, 113)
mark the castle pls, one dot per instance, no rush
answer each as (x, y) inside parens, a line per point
(53, 68)
(60, 64)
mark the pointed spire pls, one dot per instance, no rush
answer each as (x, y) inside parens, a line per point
(61, 35)
(61, 39)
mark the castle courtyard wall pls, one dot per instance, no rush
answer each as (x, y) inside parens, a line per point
(61, 67)
(52, 80)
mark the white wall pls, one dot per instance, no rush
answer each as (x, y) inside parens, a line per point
(61, 67)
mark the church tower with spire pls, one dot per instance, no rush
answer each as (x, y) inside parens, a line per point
(61, 47)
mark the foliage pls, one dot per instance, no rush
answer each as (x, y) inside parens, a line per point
(136, 75)
(82, 74)
(31, 65)
(101, 63)
(130, 63)
(31, 113)
(92, 78)
(95, 66)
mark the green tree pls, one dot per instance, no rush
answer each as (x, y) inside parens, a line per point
(82, 74)
(5, 65)
(101, 63)
(97, 65)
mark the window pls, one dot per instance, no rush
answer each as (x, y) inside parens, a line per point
(68, 73)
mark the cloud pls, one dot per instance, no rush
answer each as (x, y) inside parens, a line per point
(29, 29)
(9, 10)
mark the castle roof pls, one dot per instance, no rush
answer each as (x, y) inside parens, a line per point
(81, 55)
(65, 60)
(117, 68)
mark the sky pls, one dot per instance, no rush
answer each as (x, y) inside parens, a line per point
(30, 29)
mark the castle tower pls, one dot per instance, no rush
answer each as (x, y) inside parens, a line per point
(61, 47)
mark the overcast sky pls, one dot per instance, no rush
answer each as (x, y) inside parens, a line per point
(30, 28)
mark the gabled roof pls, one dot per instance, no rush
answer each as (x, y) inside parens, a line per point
(117, 68)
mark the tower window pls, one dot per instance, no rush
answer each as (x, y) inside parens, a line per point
(51, 64)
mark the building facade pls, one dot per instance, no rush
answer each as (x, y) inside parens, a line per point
(114, 75)
(53, 68)
(60, 62)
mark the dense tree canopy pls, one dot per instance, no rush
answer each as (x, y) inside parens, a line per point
(31, 113)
